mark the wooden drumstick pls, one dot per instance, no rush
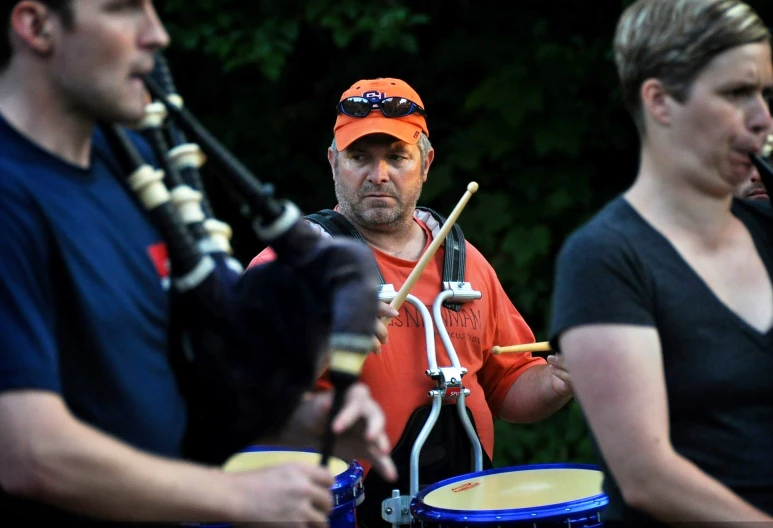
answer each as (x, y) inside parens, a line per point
(543, 346)
(397, 302)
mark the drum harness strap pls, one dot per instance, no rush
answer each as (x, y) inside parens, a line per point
(454, 261)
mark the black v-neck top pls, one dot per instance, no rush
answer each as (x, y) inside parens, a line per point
(618, 269)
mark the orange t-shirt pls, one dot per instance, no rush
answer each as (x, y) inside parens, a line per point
(397, 378)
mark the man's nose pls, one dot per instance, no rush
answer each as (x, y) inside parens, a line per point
(380, 172)
(153, 34)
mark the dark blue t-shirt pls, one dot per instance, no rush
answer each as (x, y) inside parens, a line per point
(84, 304)
(618, 269)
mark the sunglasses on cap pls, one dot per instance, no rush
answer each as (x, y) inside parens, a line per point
(389, 106)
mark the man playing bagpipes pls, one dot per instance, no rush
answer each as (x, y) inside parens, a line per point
(93, 415)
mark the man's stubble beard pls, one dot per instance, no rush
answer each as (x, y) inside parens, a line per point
(379, 219)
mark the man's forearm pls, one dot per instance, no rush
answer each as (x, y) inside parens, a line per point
(112, 481)
(81, 470)
(531, 397)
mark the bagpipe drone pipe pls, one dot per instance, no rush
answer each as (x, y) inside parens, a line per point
(250, 344)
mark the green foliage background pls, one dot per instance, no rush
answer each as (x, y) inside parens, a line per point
(522, 98)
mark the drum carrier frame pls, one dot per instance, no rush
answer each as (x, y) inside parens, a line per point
(396, 510)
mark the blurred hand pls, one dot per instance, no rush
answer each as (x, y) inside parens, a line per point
(284, 495)
(385, 312)
(560, 381)
(359, 427)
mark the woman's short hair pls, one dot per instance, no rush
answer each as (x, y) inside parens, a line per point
(673, 40)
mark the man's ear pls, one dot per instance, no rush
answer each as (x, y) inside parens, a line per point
(31, 23)
(656, 102)
(429, 158)
(331, 158)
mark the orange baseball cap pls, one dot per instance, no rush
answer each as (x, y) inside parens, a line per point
(408, 128)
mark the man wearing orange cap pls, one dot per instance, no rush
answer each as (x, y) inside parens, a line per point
(380, 159)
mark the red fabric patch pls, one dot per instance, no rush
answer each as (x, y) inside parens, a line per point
(160, 257)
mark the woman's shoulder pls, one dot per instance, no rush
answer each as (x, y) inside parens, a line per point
(609, 229)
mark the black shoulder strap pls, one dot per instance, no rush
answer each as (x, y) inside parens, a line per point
(455, 255)
(338, 226)
(335, 223)
(455, 259)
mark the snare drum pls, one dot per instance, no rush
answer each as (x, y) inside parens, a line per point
(347, 489)
(539, 495)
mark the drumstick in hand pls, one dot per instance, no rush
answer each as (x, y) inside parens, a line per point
(397, 302)
(543, 346)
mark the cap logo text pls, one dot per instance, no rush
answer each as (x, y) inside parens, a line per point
(374, 95)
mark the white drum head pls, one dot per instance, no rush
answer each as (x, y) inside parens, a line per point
(517, 489)
(261, 459)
